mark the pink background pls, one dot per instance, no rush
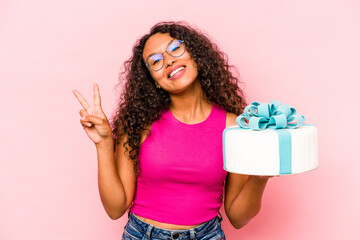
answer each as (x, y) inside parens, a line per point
(303, 53)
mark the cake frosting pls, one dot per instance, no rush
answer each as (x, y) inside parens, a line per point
(270, 139)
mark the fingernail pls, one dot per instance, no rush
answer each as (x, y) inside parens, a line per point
(83, 118)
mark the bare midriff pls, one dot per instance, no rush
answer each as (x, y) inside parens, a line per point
(167, 226)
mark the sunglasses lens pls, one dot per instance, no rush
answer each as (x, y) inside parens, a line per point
(176, 49)
(156, 61)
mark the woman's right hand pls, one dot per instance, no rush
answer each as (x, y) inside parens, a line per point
(94, 121)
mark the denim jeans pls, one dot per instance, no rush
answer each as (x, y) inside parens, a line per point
(137, 229)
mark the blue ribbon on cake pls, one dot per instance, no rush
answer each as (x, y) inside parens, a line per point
(275, 116)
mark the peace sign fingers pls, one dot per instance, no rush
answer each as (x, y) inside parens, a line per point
(81, 99)
(84, 103)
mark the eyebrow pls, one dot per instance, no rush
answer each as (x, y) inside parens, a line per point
(165, 50)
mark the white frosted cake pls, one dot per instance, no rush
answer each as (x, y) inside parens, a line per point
(265, 143)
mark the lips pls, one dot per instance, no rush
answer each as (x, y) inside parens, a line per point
(174, 68)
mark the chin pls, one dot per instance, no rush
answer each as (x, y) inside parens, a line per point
(182, 87)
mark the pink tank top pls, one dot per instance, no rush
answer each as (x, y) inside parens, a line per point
(181, 175)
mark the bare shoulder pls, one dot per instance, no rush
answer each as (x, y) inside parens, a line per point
(144, 133)
(230, 119)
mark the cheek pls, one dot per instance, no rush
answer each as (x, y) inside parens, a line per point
(157, 75)
(194, 65)
(190, 59)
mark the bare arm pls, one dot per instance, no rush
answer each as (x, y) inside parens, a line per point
(243, 193)
(96, 125)
(111, 189)
(243, 198)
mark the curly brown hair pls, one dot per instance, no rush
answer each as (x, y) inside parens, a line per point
(141, 102)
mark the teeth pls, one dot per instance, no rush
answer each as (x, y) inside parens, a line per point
(175, 71)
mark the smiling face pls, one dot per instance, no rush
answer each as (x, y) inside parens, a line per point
(178, 73)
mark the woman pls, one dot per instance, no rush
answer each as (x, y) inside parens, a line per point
(179, 96)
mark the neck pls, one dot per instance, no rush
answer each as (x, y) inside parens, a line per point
(190, 105)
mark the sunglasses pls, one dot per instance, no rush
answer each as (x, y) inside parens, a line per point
(175, 48)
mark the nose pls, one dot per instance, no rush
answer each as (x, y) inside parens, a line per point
(168, 59)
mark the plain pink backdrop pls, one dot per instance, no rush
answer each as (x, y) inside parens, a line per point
(303, 53)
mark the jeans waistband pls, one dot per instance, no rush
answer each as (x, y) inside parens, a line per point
(191, 233)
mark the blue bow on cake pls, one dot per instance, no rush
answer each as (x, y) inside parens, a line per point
(259, 116)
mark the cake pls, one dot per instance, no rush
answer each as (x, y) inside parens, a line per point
(270, 139)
